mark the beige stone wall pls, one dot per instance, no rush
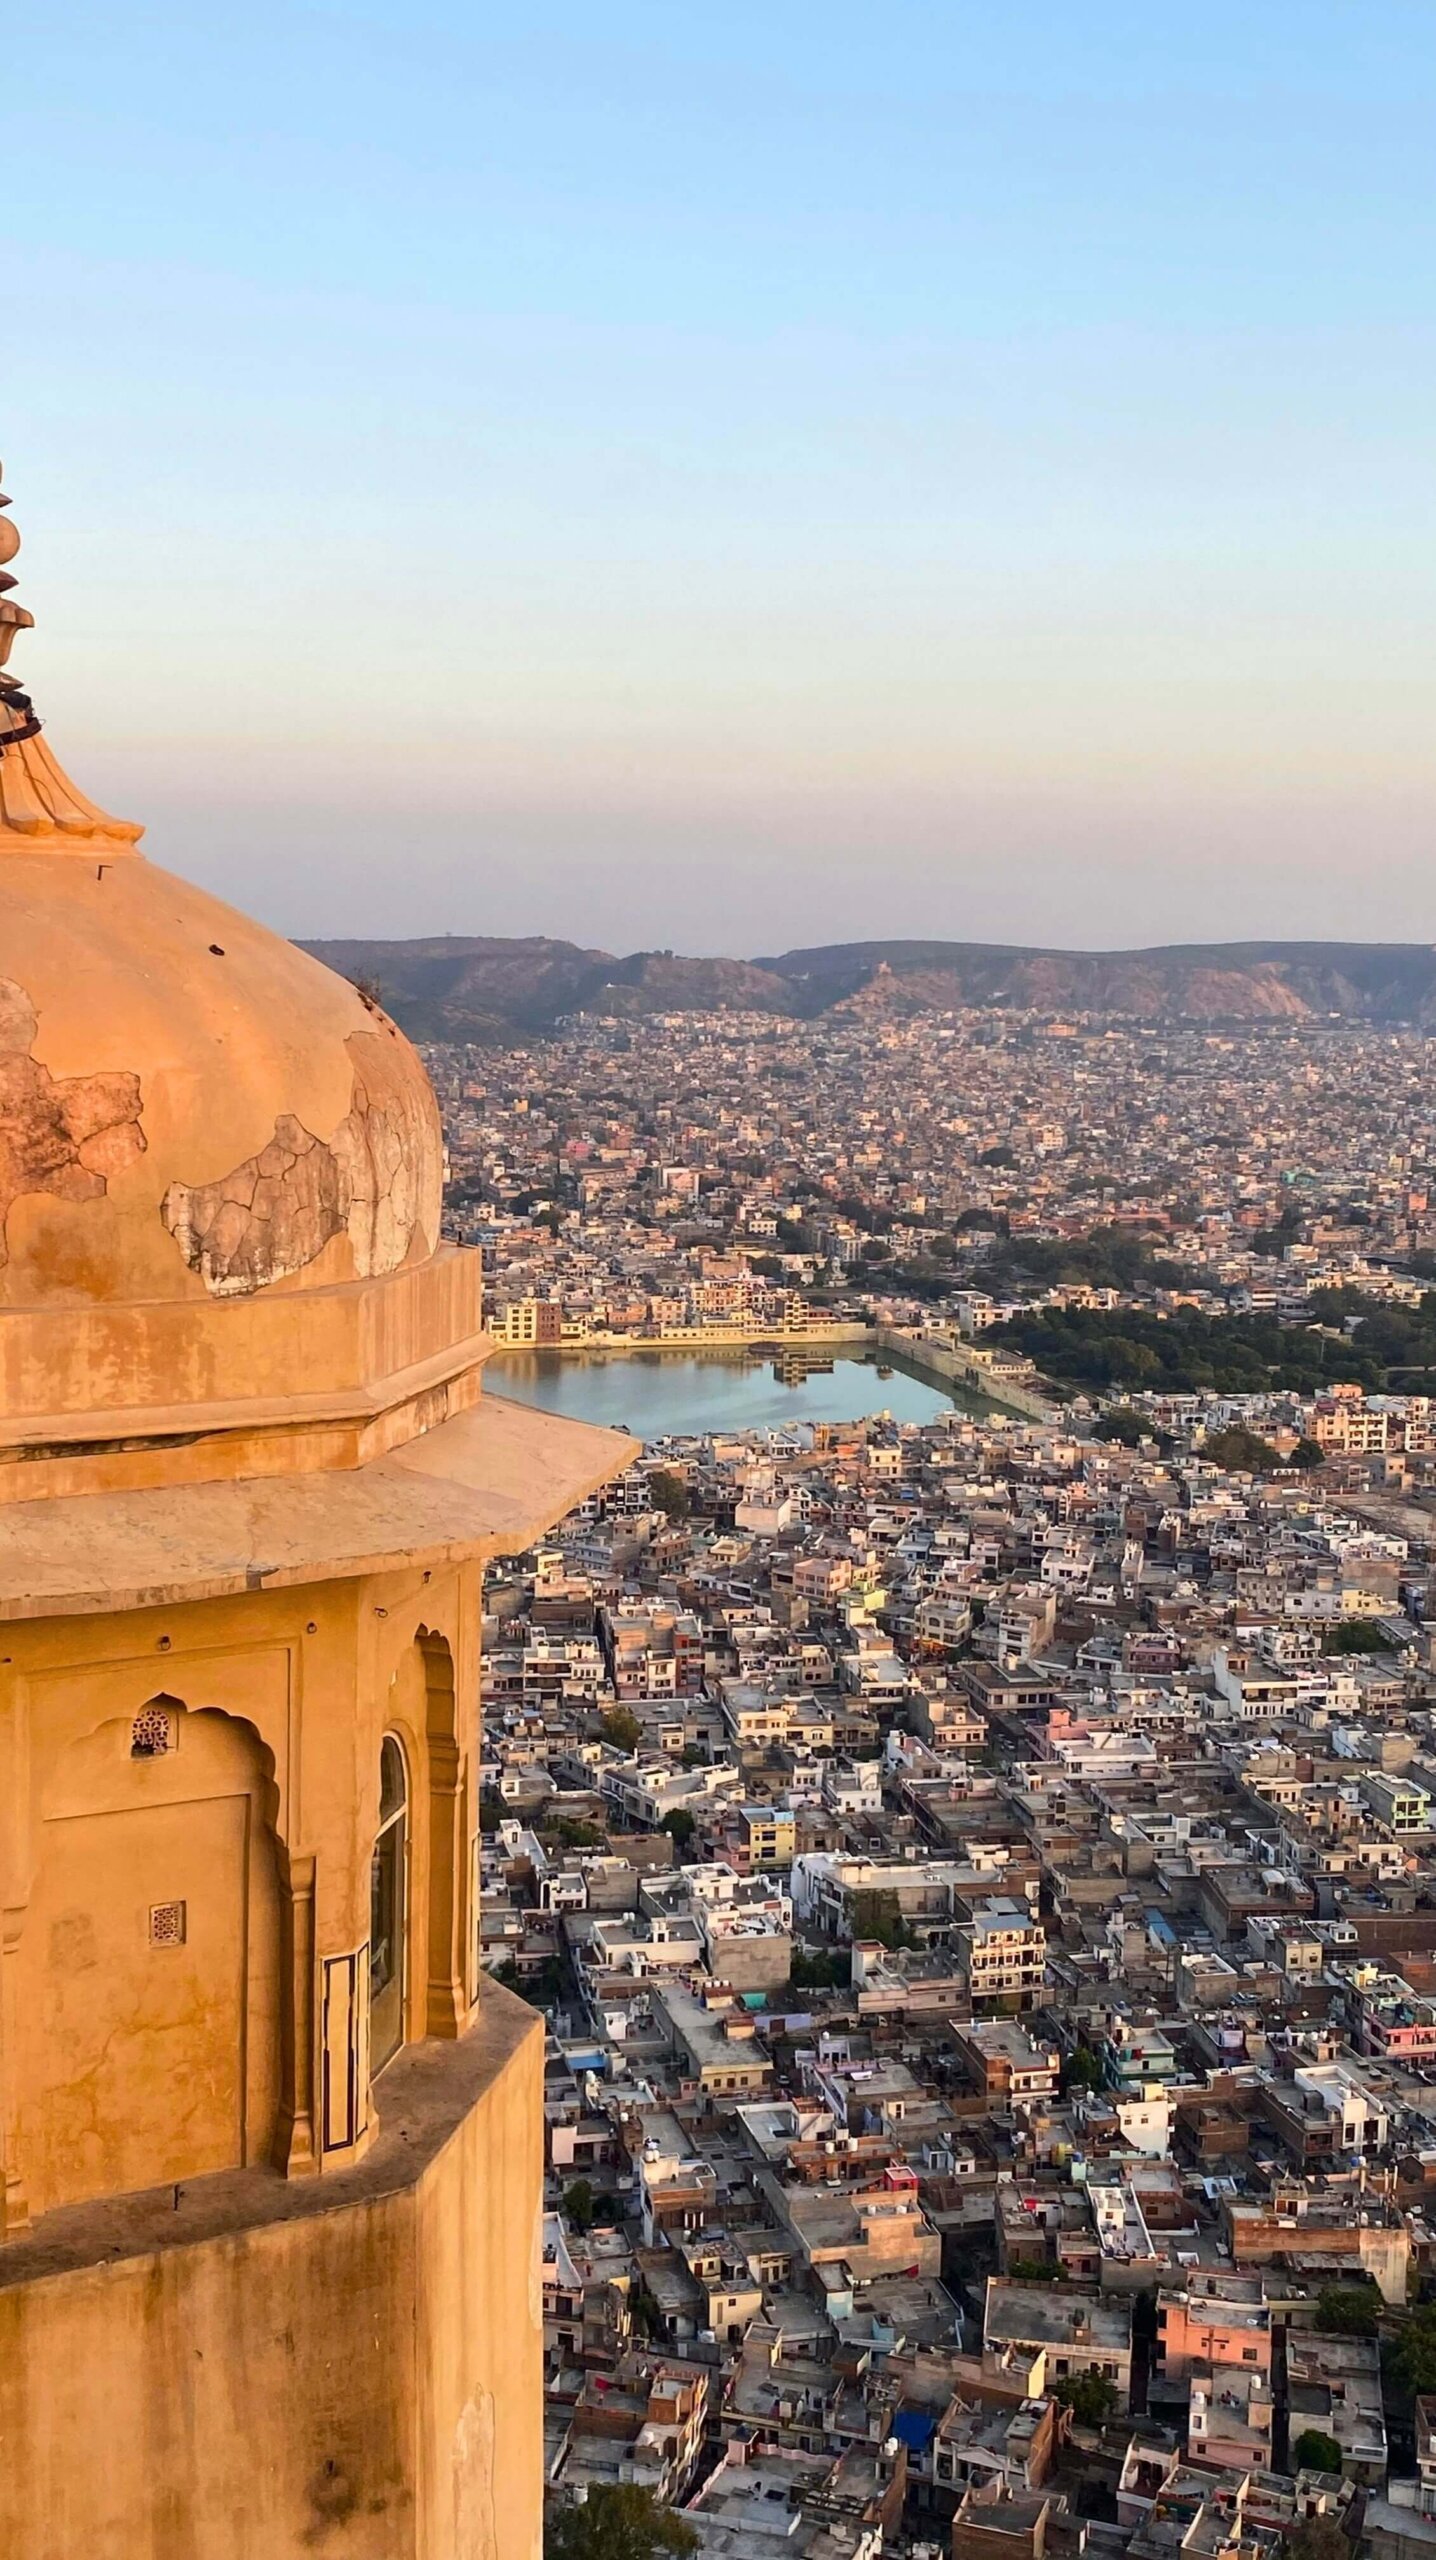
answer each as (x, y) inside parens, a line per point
(129, 2056)
(148, 1994)
(361, 2378)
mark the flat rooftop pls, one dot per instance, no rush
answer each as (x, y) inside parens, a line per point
(1040, 2315)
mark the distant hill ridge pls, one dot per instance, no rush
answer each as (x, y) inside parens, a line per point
(485, 988)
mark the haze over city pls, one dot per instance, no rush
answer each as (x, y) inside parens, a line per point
(739, 479)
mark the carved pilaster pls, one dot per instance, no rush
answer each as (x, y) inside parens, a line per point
(446, 2001)
(14, 2203)
(447, 1989)
(296, 2147)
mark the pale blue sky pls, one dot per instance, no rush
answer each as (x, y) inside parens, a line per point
(732, 476)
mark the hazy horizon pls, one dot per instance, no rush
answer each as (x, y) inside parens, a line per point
(1234, 943)
(737, 481)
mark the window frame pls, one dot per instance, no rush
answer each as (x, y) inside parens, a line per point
(389, 2000)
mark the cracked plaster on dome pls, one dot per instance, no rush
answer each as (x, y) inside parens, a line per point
(377, 1178)
(63, 1136)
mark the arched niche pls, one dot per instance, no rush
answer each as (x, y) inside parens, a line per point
(149, 1959)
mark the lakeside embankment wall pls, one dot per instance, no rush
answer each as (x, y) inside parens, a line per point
(955, 1365)
(741, 1340)
(943, 1363)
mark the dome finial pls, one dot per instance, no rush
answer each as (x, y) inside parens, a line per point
(17, 717)
(39, 804)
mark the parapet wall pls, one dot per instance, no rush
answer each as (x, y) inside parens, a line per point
(351, 2367)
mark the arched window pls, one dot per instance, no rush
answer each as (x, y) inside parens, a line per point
(388, 1897)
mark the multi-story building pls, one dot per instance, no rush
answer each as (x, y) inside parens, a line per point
(1053, 2334)
(1004, 1955)
(527, 1324)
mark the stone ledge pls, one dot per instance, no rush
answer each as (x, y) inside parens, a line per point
(486, 1483)
(421, 2101)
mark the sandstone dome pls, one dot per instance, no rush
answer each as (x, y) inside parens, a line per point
(190, 1107)
(221, 1172)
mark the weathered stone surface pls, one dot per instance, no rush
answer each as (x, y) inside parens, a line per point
(267, 1218)
(64, 1137)
(386, 1153)
(377, 1178)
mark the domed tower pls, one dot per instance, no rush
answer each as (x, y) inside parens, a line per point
(269, 2273)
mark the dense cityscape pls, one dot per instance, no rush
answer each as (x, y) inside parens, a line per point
(718, 1283)
(980, 1874)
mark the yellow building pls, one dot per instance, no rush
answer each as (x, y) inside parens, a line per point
(270, 2274)
(770, 1835)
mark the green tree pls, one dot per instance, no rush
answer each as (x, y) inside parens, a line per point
(578, 2204)
(819, 1971)
(1413, 2357)
(1348, 2310)
(1316, 2451)
(1354, 1635)
(1082, 2069)
(543, 1986)
(1034, 2271)
(1241, 1449)
(669, 1494)
(879, 1915)
(1307, 1453)
(622, 1728)
(680, 1826)
(567, 1833)
(1318, 2538)
(1123, 1422)
(617, 2524)
(1089, 2396)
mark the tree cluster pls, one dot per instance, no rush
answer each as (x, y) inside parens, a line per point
(1090, 2397)
(879, 1915)
(1348, 2310)
(816, 1970)
(669, 1494)
(1393, 1337)
(1108, 1258)
(1354, 1635)
(1412, 2359)
(1314, 2450)
(1184, 1352)
(621, 2523)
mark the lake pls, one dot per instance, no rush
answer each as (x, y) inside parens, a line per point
(655, 1393)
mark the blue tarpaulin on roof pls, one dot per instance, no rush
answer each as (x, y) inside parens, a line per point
(915, 2428)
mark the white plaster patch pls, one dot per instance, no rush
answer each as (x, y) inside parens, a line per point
(476, 2524)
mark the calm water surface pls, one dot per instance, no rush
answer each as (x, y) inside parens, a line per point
(653, 1393)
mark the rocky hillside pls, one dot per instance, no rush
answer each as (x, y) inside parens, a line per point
(478, 987)
(484, 988)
